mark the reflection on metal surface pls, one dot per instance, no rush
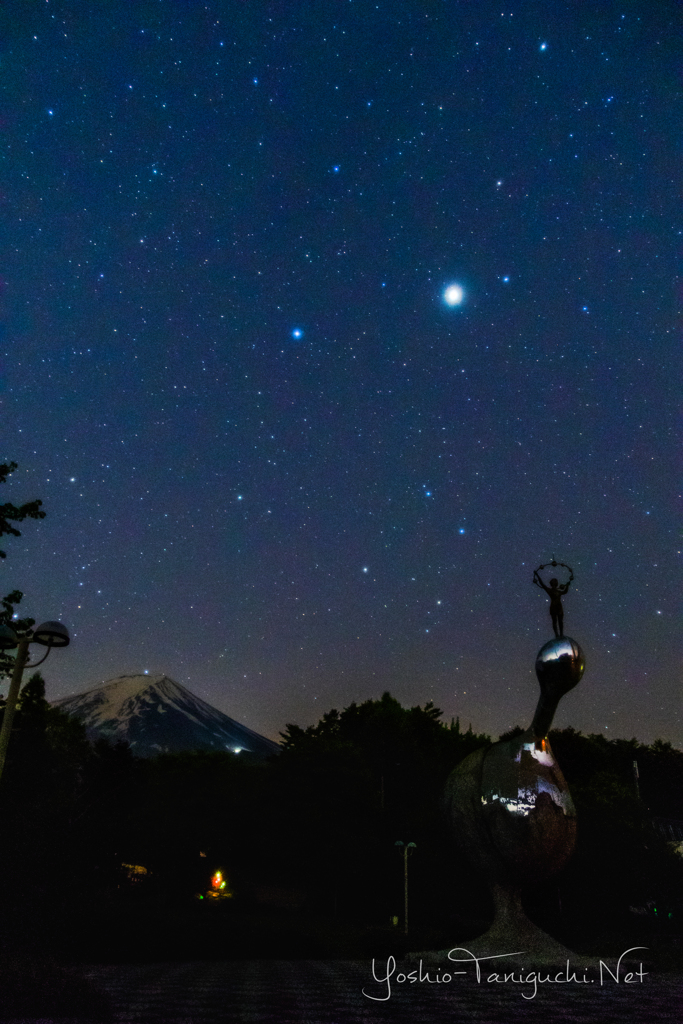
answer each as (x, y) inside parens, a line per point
(515, 778)
(560, 661)
(512, 811)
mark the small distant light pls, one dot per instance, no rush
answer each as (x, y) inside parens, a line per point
(255, 81)
(50, 112)
(72, 480)
(505, 280)
(543, 46)
(336, 169)
(461, 530)
(239, 497)
(237, 750)
(365, 568)
(297, 333)
(146, 671)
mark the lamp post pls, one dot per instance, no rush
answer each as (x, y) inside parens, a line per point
(50, 634)
(406, 850)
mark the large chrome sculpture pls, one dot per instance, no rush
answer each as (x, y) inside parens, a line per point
(511, 811)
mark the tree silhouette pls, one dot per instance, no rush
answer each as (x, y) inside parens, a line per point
(9, 514)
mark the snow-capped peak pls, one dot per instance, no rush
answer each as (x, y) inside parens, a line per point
(156, 714)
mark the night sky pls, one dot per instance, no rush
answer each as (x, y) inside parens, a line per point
(277, 464)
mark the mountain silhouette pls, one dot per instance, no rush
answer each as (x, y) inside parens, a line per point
(156, 715)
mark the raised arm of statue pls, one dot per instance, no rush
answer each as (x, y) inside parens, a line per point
(539, 582)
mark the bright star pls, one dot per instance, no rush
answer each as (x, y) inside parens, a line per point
(453, 295)
(365, 568)
(543, 46)
(505, 280)
(461, 530)
(297, 333)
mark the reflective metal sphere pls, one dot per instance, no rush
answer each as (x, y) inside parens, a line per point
(560, 664)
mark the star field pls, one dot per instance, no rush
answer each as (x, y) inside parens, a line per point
(278, 463)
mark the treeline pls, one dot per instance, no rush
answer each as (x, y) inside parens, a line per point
(314, 828)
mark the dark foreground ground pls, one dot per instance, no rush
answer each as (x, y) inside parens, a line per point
(330, 992)
(220, 964)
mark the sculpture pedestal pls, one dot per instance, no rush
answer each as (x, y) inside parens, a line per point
(513, 932)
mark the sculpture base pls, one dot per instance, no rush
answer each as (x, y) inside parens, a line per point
(511, 939)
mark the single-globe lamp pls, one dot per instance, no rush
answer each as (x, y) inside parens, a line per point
(52, 634)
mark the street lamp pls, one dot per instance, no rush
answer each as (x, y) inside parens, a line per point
(406, 850)
(49, 634)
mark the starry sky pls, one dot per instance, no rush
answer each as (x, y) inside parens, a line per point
(281, 461)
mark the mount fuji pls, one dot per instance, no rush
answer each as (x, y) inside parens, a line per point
(156, 715)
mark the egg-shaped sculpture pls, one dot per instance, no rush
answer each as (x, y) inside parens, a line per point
(509, 806)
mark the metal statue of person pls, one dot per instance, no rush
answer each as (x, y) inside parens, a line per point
(555, 592)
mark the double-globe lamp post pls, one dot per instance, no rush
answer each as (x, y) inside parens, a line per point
(50, 634)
